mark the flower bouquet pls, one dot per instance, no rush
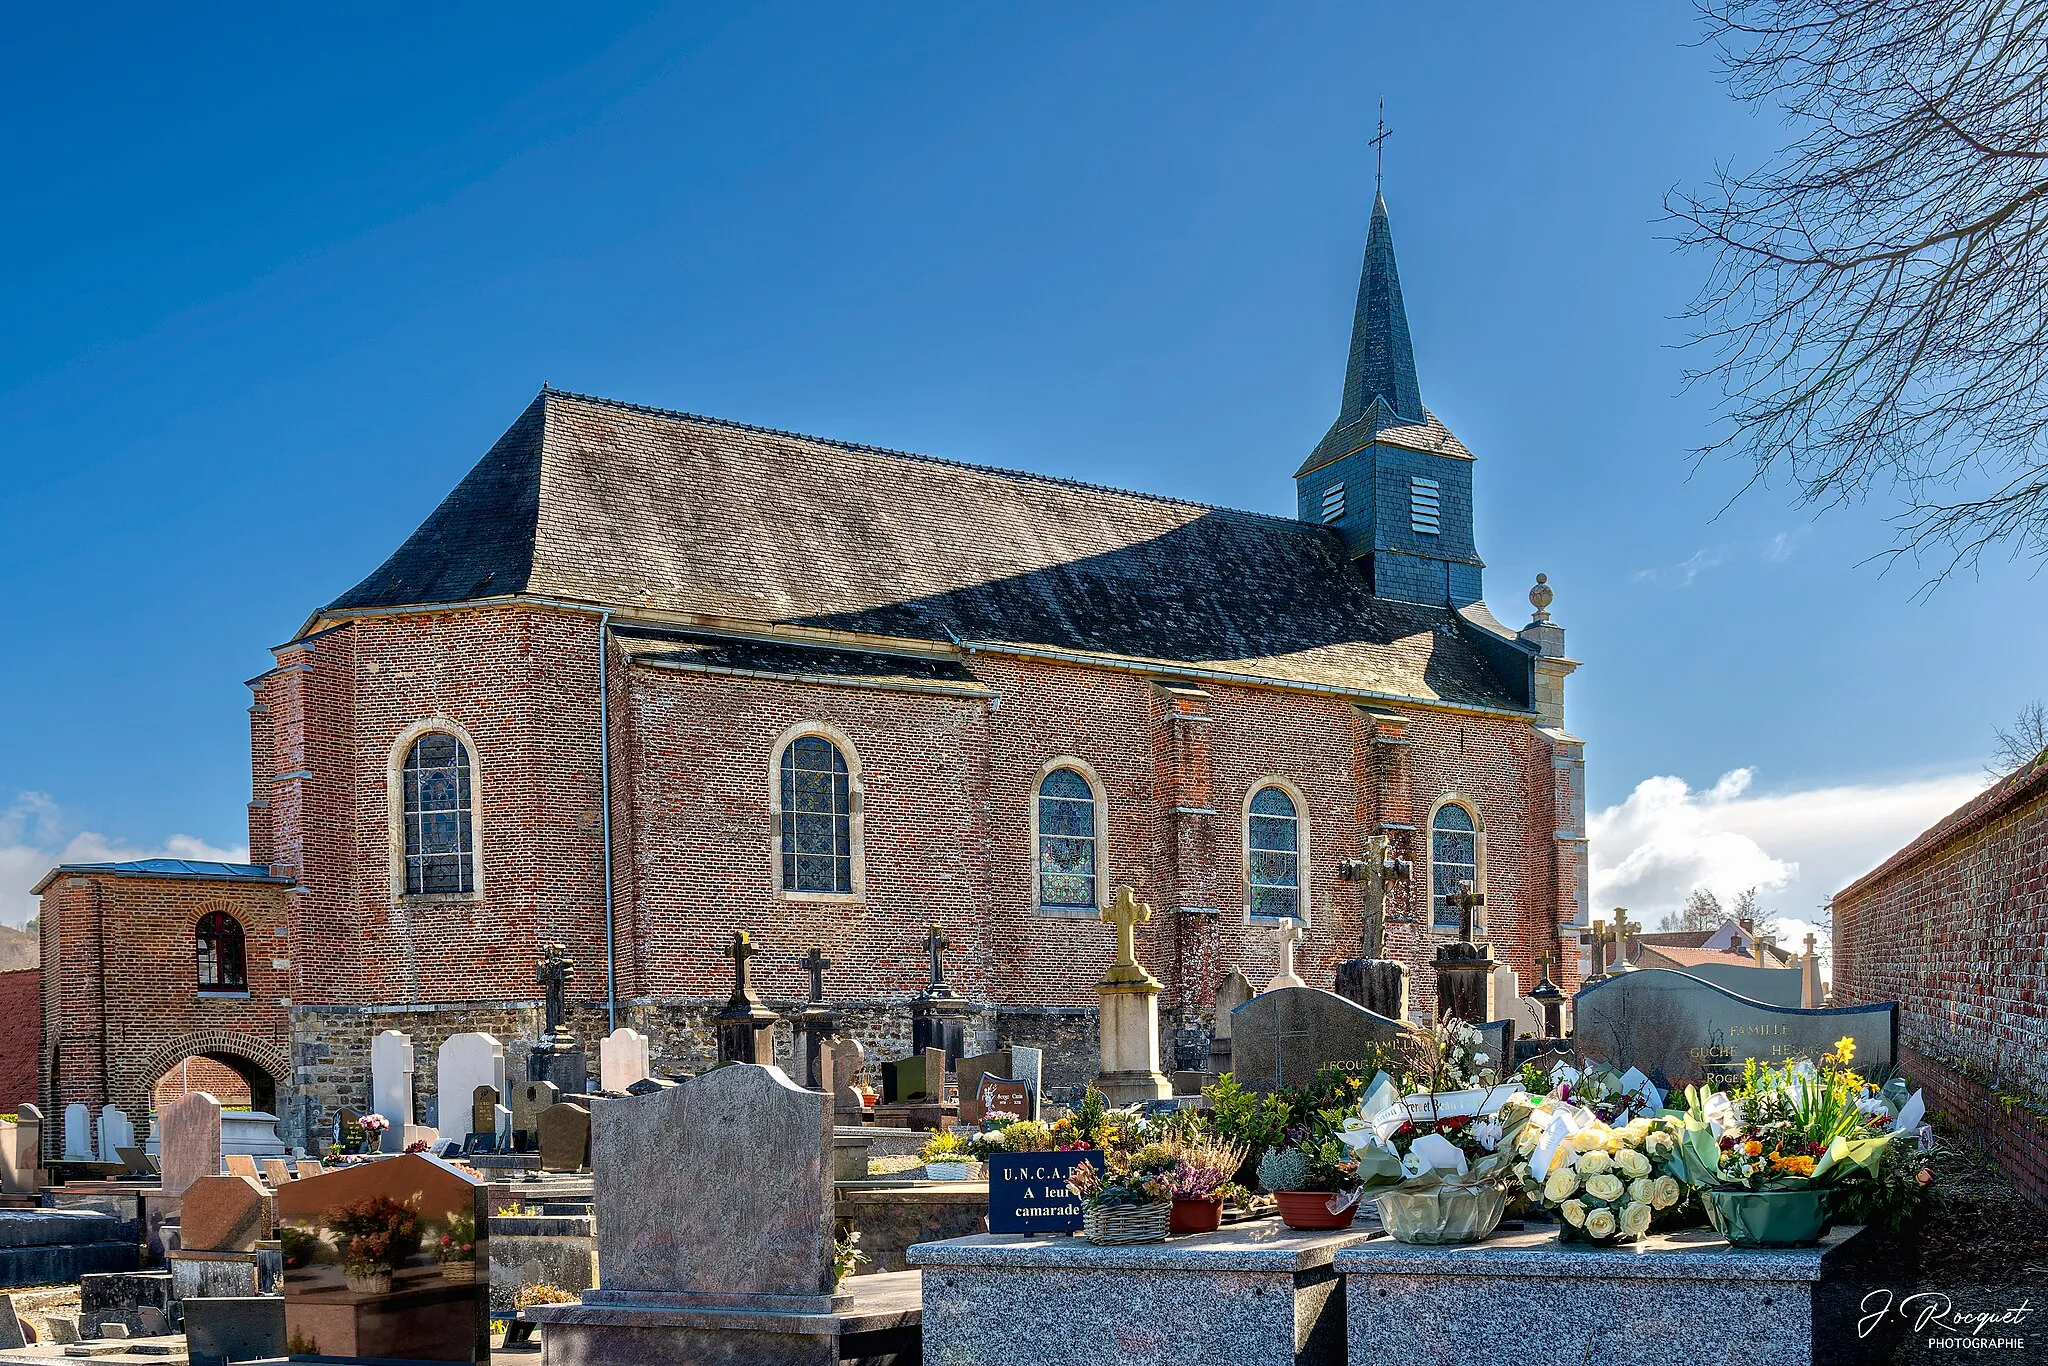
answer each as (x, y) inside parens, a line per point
(377, 1236)
(1434, 1155)
(1773, 1159)
(1604, 1182)
(455, 1250)
(1130, 1199)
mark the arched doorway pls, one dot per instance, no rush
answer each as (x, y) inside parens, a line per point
(234, 1082)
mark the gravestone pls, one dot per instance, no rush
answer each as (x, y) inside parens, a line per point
(483, 1110)
(501, 1127)
(1028, 1066)
(276, 1171)
(746, 1027)
(1378, 984)
(1279, 1038)
(1234, 991)
(189, 1142)
(1005, 1096)
(116, 1132)
(21, 1152)
(391, 1077)
(224, 1214)
(1679, 1029)
(847, 1058)
(241, 1164)
(77, 1133)
(621, 1059)
(137, 1162)
(970, 1072)
(10, 1325)
(564, 1135)
(411, 1305)
(921, 1076)
(529, 1098)
(764, 1145)
(465, 1062)
(309, 1166)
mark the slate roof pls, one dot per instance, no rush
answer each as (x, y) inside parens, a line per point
(719, 654)
(196, 869)
(613, 504)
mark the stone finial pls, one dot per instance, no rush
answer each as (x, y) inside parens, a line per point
(1540, 598)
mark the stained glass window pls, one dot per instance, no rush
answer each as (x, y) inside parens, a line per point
(1453, 858)
(440, 852)
(817, 823)
(1273, 838)
(1066, 840)
(218, 945)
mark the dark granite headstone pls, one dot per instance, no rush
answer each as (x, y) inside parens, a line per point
(529, 1098)
(1027, 1192)
(483, 1110)
(1280, 1038)
(970, 1071)
(564, 1133)
(234, 1328)
(1378, 984)
(1679, 1029)
(1003, 1096)
(910, 1079)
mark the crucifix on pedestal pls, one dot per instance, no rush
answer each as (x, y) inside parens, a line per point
(1128, 1020)
(1622, 929)
(1286, 935)
(1466, 900)
(815, 963)
(746, 1028)
(1126, 913)
(1547, 995)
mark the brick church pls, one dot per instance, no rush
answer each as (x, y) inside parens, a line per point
(644, 678)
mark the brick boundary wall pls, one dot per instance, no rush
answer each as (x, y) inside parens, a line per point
(1954, 927)
(21, 1037)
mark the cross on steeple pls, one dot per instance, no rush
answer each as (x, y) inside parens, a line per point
(1379, 149)
(815, 963)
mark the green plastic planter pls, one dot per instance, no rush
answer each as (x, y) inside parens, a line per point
(1795, 1218)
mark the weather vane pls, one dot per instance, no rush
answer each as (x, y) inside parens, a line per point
(1379, 149)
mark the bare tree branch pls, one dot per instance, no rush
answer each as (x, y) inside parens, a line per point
(1876, 307)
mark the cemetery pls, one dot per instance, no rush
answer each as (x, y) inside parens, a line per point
(1345, 1182)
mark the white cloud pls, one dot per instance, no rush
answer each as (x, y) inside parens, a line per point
(1783, 544)
(1798, 848)
(35, 837)
(1686, 571)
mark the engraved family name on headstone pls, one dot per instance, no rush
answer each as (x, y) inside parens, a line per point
(1279, 1038)
(1679, 1029)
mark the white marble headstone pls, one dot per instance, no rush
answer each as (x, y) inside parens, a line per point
(116, 1133)
(465, 1062)
(621, 1059)
(77, 1133)
(391, 1073)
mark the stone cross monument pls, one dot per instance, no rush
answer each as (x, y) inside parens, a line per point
(938, 1017)
(746, 1027)
(817, 1022)
(1464, 970)
(555, 1057)
(1286, 935)
(1378, 983)
(1622, 928)
(1130, 1012)
(1547, 995)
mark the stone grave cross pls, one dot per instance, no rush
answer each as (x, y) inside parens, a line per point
(553, 976)
(1600, 939)
(1467, 899)
(741, 951)
(1286, 935)
(1126, 912)
(815, 963)
(1621, 929)
(935, 943)
(1547, 995)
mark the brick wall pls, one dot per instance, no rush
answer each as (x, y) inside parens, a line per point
(946, 791)
(1955, 929)
(21, 1037)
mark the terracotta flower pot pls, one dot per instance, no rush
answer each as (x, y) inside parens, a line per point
(1311, 1209)
(1196, 1214)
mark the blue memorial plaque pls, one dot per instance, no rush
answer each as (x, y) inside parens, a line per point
(1027, 1192)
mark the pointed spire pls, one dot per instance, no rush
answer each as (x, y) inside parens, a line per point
(1382, 357)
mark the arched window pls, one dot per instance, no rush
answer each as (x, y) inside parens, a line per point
(1453, 858)
(217, 943)
(1066, 840)
(1273, 853)
(817, 826)
(440, 846)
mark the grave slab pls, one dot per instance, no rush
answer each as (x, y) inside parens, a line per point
(190, 1136)
(1251, 1293)
(1687, 1292)
(1280, 1037)
(223, 1329)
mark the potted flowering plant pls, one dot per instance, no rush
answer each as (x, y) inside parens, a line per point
(377, 1236)
(455, 1249)
(1773, 1159)
(1604, 1182)
(1130, 1199)
(1313, 1177)
(1202, 1167)
(948, 1157)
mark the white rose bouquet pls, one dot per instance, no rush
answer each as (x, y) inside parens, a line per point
(1605, 1182)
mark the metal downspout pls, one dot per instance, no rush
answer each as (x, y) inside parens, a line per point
(604, 782)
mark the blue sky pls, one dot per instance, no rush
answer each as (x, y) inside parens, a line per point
(278, 280)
